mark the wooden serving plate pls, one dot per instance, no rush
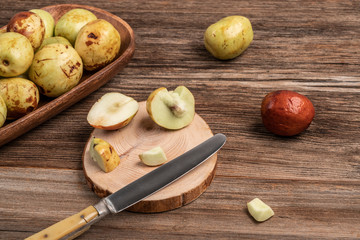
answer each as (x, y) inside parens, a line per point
(89, 82)
(143, 134)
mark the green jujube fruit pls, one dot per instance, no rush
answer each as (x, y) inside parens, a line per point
(51, 40)
(71, 22)
(30, 25)
(21, 96)
(229, 37)
(3, 111)
(98, 43)
(48, 21)
(16, 54)
(56, 69)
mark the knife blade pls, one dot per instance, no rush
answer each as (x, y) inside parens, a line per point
(134, 192)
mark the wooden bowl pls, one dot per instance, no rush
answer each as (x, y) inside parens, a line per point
(90, 81)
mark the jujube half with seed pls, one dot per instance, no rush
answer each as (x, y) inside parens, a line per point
(171, 109)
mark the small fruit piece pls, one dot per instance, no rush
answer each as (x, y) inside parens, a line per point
(112, 111)
(3, 111)
(20, 95)
(30, 25)
(56, 69)
(171, 109)
(229, 37)
(286, 113)
(259, 210)
(48, 21)
(98, 43)
(153, 157)
(16, 54)
(71, 22)
(104, 154)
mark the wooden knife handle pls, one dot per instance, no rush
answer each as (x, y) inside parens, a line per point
(75, 223)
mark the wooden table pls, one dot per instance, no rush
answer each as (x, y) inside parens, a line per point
(312, 181)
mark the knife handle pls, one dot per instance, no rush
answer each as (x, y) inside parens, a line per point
(68, 228)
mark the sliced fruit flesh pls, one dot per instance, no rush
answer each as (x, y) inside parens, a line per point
(162, 108)
(118, 108)
(153, 157)
(95, 155)
(104, 155)
(259, 210)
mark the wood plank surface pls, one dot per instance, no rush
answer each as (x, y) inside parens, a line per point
(312, 181)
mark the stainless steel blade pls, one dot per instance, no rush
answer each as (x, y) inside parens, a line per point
(163, 175)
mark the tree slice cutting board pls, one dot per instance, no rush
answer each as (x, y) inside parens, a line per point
(141, 135)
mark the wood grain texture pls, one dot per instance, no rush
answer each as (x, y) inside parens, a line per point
(140, 135)
(312, 181)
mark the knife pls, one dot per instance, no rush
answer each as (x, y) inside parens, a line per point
(134, 192)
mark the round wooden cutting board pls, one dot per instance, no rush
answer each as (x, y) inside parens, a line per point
(141, 135)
